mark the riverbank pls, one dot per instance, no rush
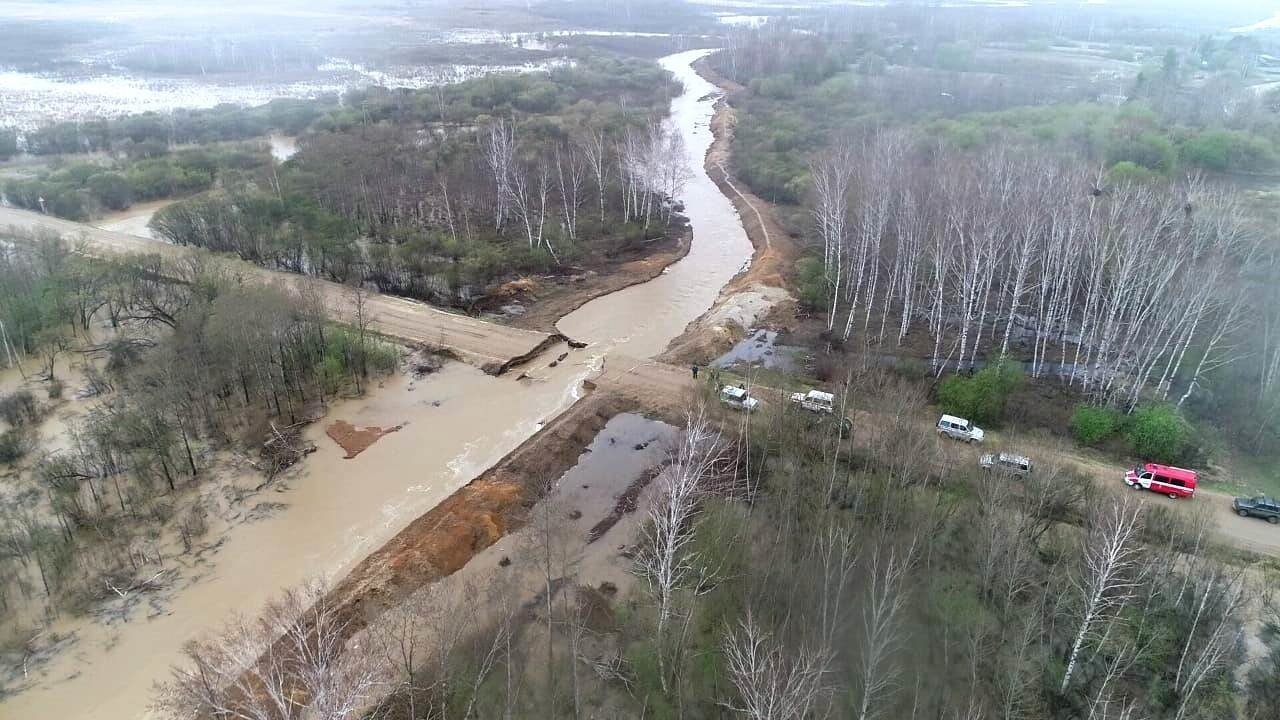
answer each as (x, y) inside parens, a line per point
(762, 287)
(543, 302)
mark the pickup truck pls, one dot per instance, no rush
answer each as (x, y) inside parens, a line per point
(1260, 507)
(815, 401)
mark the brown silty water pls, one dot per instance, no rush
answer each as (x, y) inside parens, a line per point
(331, 512)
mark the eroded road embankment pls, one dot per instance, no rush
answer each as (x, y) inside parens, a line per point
(498, 502)
(489, 346)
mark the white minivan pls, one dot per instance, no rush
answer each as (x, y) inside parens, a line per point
(960, 429)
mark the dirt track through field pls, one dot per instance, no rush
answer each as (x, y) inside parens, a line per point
(493, 348)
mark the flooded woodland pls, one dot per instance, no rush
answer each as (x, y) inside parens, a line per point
(323, 516)
(441, 360)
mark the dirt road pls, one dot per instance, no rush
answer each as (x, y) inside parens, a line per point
(667, 390)
(489, 346)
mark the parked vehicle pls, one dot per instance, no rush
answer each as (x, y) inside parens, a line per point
(1260, 507)
(1006, 463)
(1167, 480)
(960, 429)
(737, 397)
(815, 401)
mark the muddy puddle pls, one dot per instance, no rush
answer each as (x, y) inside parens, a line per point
(617, 468)
(327, 513)
(760, 348)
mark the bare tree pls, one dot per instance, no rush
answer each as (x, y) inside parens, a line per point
(500, 156)
(831, 174)
(1111, 574)
(886, 598)
(773, 682)
(294, 661)
(595, 151)
(1218, 596)
(571, 175)
(663, 558)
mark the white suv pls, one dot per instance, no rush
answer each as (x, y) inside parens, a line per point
(960, 429)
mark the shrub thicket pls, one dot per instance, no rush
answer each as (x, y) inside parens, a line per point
(1158, 433)
(983, 397)
(1091, 425)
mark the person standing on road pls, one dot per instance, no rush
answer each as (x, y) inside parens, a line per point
(695, 372)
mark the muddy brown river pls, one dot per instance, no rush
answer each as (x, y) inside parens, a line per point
(332, 512)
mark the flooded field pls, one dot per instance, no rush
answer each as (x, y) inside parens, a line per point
(29, 100)
(329, 512)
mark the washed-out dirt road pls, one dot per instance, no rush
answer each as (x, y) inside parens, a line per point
(489, 346)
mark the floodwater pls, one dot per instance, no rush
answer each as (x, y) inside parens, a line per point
(458, 422)
(641, 320)
(135, 220)
(30, 100)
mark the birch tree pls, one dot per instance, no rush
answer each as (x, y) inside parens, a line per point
(773, 682)
(664, 559)
(1112, 572)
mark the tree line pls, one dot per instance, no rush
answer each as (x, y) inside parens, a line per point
(83, 191)
(884, 68)
(1105, 285)
(150, 132)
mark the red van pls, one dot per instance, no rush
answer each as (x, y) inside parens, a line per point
(1171, 481)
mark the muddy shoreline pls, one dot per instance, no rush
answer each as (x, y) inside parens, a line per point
(493, 505)
(569, 294)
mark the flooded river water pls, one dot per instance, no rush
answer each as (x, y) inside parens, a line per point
(641, 320)
(331, 512)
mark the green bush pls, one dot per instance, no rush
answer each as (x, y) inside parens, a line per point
(1158, 433)
(112, 190)
(55, 389)
(1091, 425)
(981, 398)
(1149, 150)
(1127, 172)
(13, 445)
(812, 283)
(1224, 150)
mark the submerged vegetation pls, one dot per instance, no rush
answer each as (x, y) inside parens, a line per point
(177, 364)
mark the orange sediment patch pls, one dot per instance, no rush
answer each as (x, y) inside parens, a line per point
(356, 440)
